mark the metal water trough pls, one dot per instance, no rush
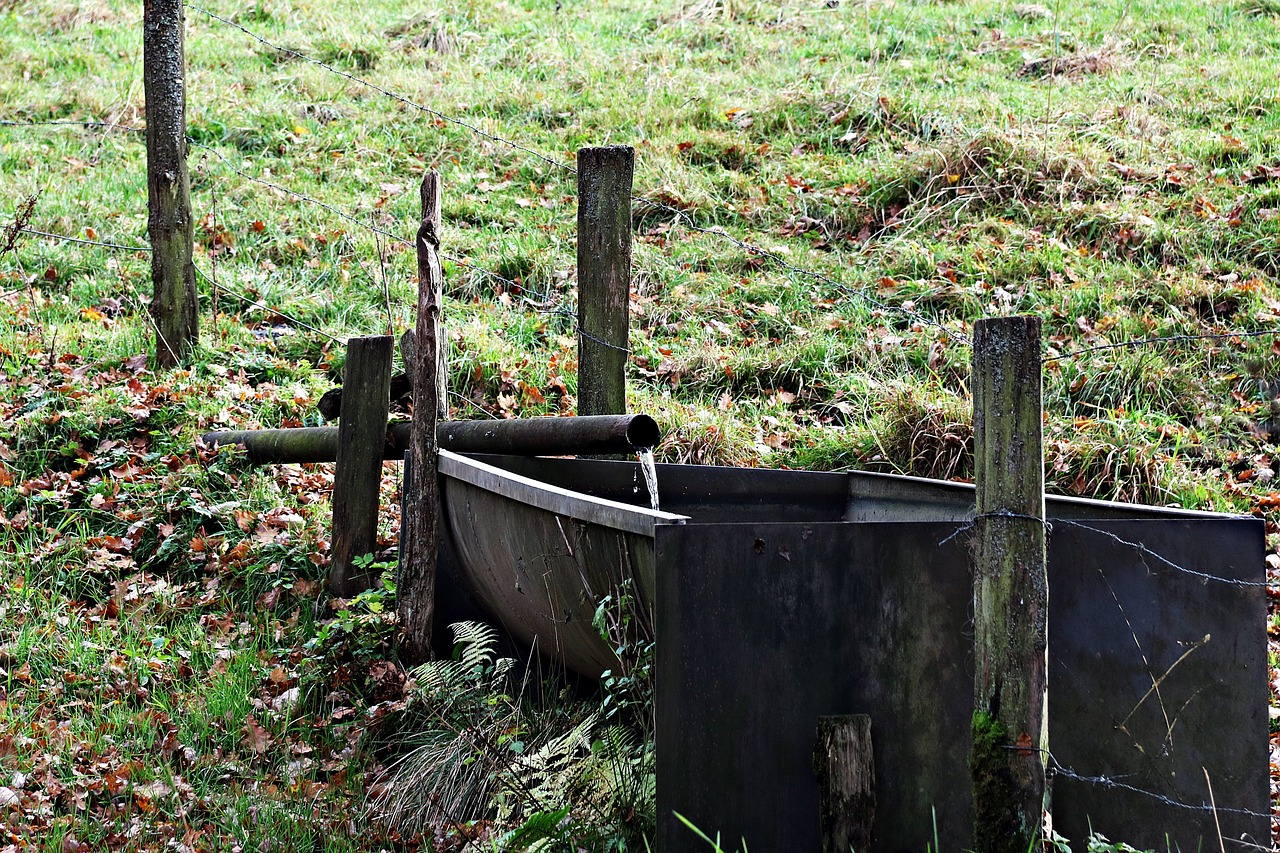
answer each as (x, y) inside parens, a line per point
(777, 597)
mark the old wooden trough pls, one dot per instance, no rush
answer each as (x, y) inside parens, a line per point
(780, 600)
(779, 597)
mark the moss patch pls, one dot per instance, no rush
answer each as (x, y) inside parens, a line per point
(995, 823)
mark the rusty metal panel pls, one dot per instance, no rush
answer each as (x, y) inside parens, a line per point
(764, 627)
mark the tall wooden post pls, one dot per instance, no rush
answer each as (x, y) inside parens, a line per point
(362, 434)
(604, 277)
(169, 221)
(420, 526)
(1011, 588)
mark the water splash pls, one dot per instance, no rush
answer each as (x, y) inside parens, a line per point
(645, 457)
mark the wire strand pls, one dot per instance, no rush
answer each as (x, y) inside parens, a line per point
(292, 319)
(68, 239)
(1162, 340)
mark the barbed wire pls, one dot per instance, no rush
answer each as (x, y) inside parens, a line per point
(69, 239)
(682, 215)
(1142, 549)
(1057, 768)
(275, 186)
(474, 404)
(753, 249)
(72, 123)
(291, 318)
(336, 211)
(1147, 552)
(1223, 336)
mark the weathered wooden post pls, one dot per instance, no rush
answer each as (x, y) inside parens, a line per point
(420, 524)
(846, 783)
(1011, 588)
(169, 223)
(362, 434)
(604, 277)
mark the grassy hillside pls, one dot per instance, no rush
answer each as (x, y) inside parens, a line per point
(173, 673)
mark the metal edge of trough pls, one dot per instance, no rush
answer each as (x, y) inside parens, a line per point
(904, 489)
(619, 516)
(868, 495)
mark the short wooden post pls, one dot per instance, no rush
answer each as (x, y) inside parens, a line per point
(362, 434)
(420, 526)
(604, 277)
(169, 222)
(1011, 588)
(846, 783)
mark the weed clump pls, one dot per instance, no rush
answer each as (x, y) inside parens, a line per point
(1073, 64)
(486, 762)
(924, 437)
(989, 170)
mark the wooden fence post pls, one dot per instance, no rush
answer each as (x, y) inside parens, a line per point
(1011, 588)
(362, 434)
(169, 223)
(420, 525)
(604, 277)
(846, 783)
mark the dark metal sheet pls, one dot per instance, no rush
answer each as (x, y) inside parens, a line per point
(1157, 677)
(534, 495)
(764, 627)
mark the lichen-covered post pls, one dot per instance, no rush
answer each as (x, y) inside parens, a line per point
(420, 524)
(604, 277)
(362, 435)
(1011, 588)
(169, 222)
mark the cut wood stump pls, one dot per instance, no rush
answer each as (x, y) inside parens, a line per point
(846, 783)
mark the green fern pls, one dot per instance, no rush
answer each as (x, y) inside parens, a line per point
(557, 777)
(539, 828)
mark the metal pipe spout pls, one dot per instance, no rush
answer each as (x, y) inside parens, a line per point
(580, 436)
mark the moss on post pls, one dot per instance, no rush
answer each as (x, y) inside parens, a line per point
(994, 790)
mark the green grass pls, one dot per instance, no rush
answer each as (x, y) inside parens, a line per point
(1103, 166)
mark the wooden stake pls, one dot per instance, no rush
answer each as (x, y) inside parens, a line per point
(362, 434)
(604, 277)
(1011, 587)
(846, 783)
(169, 221)
(420, 526)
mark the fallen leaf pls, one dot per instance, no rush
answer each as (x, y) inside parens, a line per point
(256, 737)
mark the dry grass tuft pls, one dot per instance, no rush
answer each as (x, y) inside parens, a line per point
(693, 436)
(1261, 8)
(1075, 64)
(989, 169)
(925, 437)
(1106, 461)
(1031, 11)
(65, 18)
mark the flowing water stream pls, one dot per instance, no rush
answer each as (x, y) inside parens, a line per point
(645, 457)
